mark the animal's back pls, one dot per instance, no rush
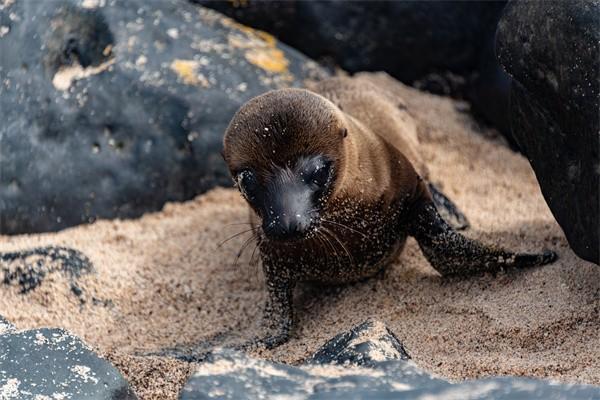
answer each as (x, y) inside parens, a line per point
(378, 109)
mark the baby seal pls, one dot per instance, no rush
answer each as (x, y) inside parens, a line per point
(335, 182)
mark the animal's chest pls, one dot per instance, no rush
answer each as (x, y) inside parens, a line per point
(345, 250)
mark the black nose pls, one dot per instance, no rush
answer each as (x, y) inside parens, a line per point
(287, 227)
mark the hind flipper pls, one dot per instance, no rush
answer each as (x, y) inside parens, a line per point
(447, 209)
(451, 253)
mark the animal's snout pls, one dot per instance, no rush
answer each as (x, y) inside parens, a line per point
(291, 210)
(288, 227)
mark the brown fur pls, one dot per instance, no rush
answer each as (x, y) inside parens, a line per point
(370, 162)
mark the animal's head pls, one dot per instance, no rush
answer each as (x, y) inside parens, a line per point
(284, 151)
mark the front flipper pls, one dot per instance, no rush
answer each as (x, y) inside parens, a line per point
(278, 313)
(451, 253)
(276, 325)
(192, 353)
(447, 209)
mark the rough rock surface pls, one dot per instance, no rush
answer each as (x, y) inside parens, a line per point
(445, 47)
(552, 50)
(381, 374)
(364, 345)
(45, 363)
(28, 268)
(110, 108)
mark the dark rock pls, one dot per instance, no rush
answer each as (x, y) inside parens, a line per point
(552, 50)
(489, 93)
(114, 109)
(446, 47)
(53, 364)
(28, 268)
(365, 345)
(232, 375)
(408, 39)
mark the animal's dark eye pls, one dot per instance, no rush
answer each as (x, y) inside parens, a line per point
(247, 184)
(321, 173)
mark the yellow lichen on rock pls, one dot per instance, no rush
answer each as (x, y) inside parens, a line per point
(267, 37)
(260, 48)
(187, 70)
(271, 60)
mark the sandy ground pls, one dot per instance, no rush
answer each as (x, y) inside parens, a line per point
(163, 280)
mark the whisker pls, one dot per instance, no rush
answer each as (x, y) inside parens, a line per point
(331, 246)
(254, 265)
(341, 244)
(236, 235)
(343, 226)
(239, 223)
(322, 244)
(252, 256)
(244, 246)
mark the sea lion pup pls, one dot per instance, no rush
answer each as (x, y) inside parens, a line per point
(332, 179)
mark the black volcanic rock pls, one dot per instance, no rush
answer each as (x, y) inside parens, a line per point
(376, 369)
(552, 50)
(445, 47)
(28, 268)
(53, 364)
(407, 39)
(110, 109)
(364, 345)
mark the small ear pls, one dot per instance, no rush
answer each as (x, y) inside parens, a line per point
(344, 132)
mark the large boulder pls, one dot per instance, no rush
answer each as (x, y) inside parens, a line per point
(446, 47)
(552, 50)
(53, 364)
(110, 109)
(377, 369)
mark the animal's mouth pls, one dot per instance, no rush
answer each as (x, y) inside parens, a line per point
(292, 235)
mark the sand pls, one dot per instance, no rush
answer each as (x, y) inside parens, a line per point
(163, 280)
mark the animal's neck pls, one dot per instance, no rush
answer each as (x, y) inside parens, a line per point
(365, 174)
